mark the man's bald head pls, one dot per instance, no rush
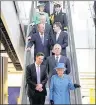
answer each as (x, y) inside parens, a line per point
(41, 28)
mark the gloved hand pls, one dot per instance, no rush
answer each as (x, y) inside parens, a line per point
(65, 29)
(51, 102)
(77, 86)
(66, 72)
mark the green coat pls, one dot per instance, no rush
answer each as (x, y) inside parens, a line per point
(36, 17)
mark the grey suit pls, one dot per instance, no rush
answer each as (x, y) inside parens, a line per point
(62, 40)
(51, 64)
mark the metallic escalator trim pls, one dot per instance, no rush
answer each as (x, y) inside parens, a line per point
(72, 56)
(27, 56)
(8, 46)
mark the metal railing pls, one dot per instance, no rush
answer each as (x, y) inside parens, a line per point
(23, 93)
(27, 61)
(76, 94)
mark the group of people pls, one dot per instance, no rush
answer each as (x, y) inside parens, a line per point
(51, 64)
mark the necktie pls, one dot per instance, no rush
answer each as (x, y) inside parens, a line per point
(56, 59)
(57, 35)
(42, 39)
(38, 74)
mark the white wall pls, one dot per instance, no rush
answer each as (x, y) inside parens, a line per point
(84, 35)
(10, 20)
(14, 79)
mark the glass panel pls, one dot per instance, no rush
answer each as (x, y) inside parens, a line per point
(86, 60)
(83, 24)
(24, 10)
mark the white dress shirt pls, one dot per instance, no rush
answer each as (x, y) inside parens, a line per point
(58, 57)
(57, 35)
(41, 35)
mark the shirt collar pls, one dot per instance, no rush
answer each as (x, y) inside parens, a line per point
(36, 65)
(40, 34)
(59, 32)
(57, 12)
(58, 56)
(62, 76)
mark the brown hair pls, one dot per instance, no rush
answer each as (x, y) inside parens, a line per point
(39, 54)
(58, 24)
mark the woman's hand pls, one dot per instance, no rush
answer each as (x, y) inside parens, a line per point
(51, 102)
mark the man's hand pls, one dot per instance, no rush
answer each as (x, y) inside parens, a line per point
(39, 87)
(77, 86)
(40, 90)
(51, 102)
(29, 37)
(28, 49)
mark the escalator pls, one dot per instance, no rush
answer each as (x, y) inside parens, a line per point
(75, 96)
(71, 53)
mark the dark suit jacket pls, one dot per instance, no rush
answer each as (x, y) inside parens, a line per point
(61, 17)
(31, 79)
(48, 29)
(38, 46)
(51, 64)
(62, 40)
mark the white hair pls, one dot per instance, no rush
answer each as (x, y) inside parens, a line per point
(57, 45)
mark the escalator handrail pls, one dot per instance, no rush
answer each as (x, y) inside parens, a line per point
(23, 90)
(72, 56)
(23, 95)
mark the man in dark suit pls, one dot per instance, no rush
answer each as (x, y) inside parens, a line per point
(60, 37)
(52, 61)
(59, 16)
(36, 78)
(47, 27)
(41, 42)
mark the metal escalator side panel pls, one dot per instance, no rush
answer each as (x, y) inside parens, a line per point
(76, 95)
(27, 61)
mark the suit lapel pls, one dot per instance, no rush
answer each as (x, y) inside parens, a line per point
(54, 37)
(45, 27)
(40, 38)
(60, 58)
(45, 38)
(41, 69)
(34, 70)
(53, 60)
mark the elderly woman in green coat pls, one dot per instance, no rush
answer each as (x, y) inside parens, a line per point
(36, 16)
(60, 86)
